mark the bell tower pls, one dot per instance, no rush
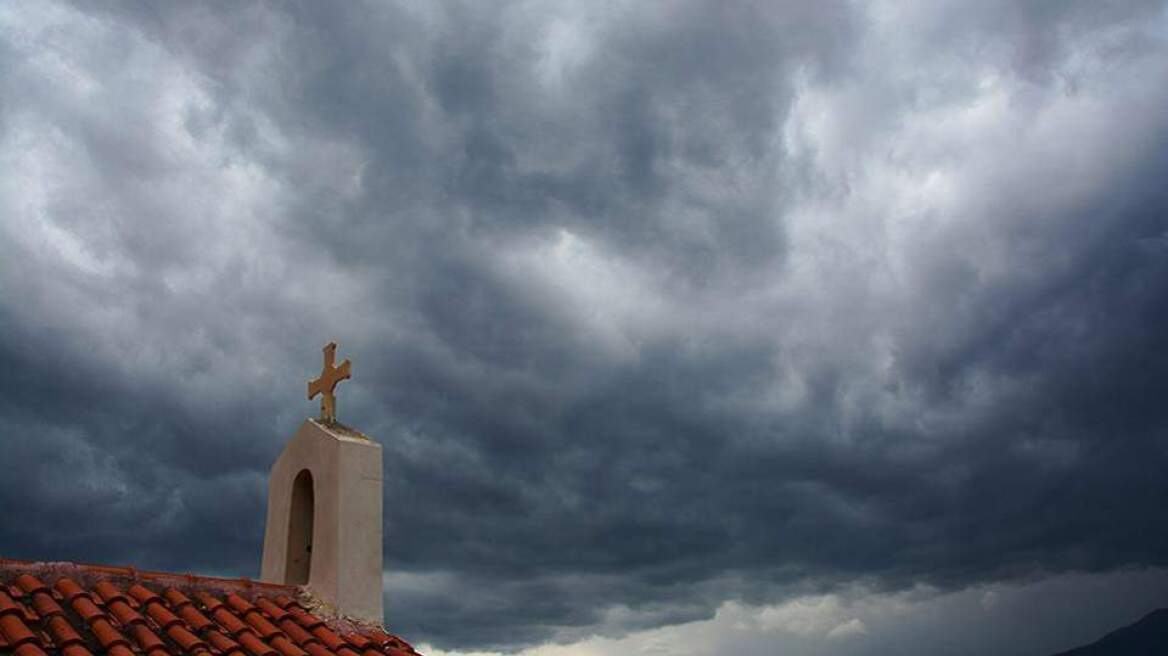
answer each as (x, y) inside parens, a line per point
(324, 513)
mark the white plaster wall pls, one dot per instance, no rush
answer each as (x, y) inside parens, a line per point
(346, 539)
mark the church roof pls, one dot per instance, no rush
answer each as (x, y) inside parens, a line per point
(87, 610)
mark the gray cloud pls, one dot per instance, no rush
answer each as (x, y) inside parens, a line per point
(651, 307)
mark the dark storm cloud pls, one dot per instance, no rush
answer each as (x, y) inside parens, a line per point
(651, 307)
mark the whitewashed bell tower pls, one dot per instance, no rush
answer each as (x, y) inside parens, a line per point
(324, 509)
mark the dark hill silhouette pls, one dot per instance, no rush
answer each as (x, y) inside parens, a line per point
(1147, 637)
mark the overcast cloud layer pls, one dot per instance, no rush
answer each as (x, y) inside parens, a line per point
(657, 309)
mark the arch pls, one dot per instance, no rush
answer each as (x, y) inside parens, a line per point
(298, 564)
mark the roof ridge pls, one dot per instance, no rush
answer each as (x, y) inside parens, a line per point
(242, 583)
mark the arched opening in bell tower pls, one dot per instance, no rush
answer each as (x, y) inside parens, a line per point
(298, 564)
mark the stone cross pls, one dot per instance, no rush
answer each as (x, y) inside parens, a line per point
(329, 377)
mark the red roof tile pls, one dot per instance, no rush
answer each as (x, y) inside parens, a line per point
(82, 610)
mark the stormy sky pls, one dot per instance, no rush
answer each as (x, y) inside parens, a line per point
(815, 327)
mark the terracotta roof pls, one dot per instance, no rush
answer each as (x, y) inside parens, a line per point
(88, 610)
